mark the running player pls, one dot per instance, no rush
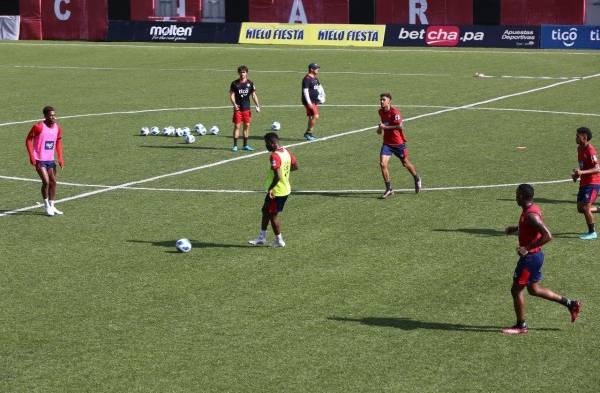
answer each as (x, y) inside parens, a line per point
(533, 234)
(588, 174)
(278, 188)
(394, 142)
(43, 140)
(240, 92)
(310, 99)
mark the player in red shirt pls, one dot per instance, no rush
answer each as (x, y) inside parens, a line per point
(533, 234)
(42, 142)
(240, 92)
(588, 174)
(394, 142)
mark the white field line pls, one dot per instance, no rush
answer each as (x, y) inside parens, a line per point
(134, 112)
(121, 186)
(300, 48)
(221, 191)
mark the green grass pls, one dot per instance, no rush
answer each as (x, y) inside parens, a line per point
(402, 295)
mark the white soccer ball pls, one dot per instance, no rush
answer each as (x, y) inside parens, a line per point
(169, 131)
(275, 126)
(200, 129)
(189, 138)
(179, 131)
(144, 131)
(321, 96)
(214, 130)
(154, 131)
(183, 245)
(186, 131)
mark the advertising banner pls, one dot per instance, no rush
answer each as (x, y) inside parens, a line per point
(463, 36)
(173, 32)
(424, 12)
(312, 34)
(570, 37)
(74, 20)
(299, 11)
(539, 12)
(9, 27)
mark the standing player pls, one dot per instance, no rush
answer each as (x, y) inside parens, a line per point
(589, 180)
(394, 142)
(240, 92)
(310, 98)
(278, 188)
(43, 140)
(533, 234)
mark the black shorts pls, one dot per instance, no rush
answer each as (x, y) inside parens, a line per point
(45, 164)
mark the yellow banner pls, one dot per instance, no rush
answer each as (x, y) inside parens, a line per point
(312, 34)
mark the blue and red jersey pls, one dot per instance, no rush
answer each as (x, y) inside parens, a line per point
(588, 159)
(527, 232)
(393, 137)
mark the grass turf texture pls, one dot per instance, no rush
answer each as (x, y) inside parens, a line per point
(406, 294)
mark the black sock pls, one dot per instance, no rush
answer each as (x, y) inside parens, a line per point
(388, 185)
(245, 141)
(591, 228)
(565, 302)
(416, 177)
(308, 132)
(235, 141)
(521, 324)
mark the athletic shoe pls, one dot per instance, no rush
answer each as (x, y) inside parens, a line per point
(278, 243)
(258, 241)
(515, 330)
(574, 309)
(247, 148)
(49, 211)
(387, 193)
(417, 184)
(234, 148)
(56, 211)
(309, 137)
(589, 236)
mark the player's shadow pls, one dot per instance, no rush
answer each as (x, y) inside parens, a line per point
(26, 212)
(262, 138)
(334, 194)
(475, 231)
(544, 201)
(185, 146)
(195, 244)
(413, 324)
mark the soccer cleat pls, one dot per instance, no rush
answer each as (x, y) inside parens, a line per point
(247, 148)
(49, 211)
(309, 137)
(588, 236)
(574, 309)
(515, 330)
(417, 184)
(234, 148)
(258, 241)
(278, 243)
(387, 193)
(56, 211)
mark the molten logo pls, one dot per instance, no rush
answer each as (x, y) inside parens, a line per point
(442, 35)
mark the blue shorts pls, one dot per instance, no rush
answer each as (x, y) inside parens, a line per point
(588, 194)
(529, 269)
(275, 205)
(45, 164)
(399, 151)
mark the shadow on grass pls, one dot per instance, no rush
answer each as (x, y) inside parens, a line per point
(195, 244)
(335, 194)
(39, 212)
(475, 231)
(412, 324)
(185, 146)
(546, 201)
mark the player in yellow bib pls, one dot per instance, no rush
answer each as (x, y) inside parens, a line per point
(278, 187)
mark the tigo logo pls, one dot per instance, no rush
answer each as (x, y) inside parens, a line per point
(442, 35)
(567, 37)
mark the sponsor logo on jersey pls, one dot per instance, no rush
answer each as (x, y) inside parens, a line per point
(48, 145)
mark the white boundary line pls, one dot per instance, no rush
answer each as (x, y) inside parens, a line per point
(218, 191)
(135, 112)
(121, 186)
(307, 49)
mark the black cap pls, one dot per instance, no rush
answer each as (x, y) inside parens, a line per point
(313, 66)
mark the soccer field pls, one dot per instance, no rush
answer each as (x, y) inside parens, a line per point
(406, 294)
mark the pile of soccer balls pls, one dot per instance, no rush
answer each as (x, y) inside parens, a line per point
(185, 132)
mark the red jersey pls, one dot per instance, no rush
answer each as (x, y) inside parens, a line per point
(527, 232)
(392, 117)
(588, 159)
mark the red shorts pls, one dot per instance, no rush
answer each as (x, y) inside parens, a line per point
(242, 117)
(311, 111)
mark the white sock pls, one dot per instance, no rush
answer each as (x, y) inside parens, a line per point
(262, 234)
(46, 203)
(51, 203)
(279, 237)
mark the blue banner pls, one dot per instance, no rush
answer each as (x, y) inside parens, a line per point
(463, 36)
(570, 37)
(173, 31)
